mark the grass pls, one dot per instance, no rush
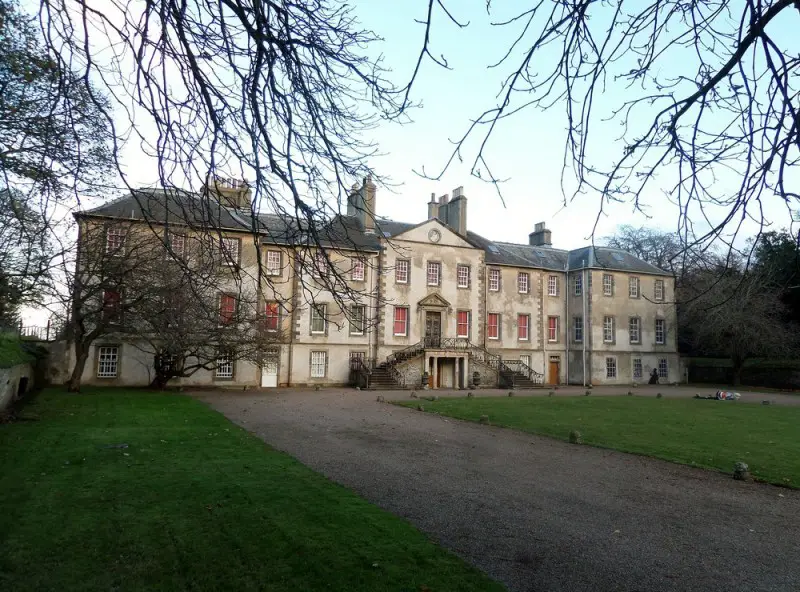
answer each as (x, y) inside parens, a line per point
(13, 351)
(703, 433)
(193, 502)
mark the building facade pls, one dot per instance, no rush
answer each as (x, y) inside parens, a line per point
(426, 304)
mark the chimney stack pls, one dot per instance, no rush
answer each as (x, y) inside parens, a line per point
(540, 237)
(452, 212)
(234, 193)
(433, 207)
(361, 203)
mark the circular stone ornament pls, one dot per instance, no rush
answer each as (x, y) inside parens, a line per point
(434, 235)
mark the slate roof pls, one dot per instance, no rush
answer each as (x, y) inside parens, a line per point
(347, 232)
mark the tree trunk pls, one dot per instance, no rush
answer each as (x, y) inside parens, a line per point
(81, 355)
(738, 366)
(160, 381)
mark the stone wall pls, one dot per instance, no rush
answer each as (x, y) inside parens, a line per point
(14, 383)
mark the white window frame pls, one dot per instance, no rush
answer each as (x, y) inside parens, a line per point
(469, 323)
(402, 269)
(633, 287)
(611, 367)
(494, 280)
(358, 269)
(608, 284)
(354, 328)
(578, 329)
(318, 364)
(433, 273)
(120, 236)
(552, 285)
(663, 368)
(175, 251)
(527, 326)
(273, 263)
(608, 329)
(224, 366)
(634, 325)
(107, 361)
(319, 311)
(578, 284)
(405, 321)
(462, 275)
(658, 291)
(489, 316)
(637, 369)
(229, 251)
(523, 282)
(319, 265)
(552, 332)
(662, 323)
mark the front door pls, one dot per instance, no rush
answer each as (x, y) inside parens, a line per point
(269, 370)
(554, 370)
(433, 329)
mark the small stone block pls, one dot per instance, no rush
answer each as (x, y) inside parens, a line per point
(358, 388)
(435, 398)
(587, 393)
(766, 402)
(470, 395)
(741, 472)
(550, 394)
(510, 393)
(420, 408)
(380, 399)
(316, 388)
(659, 395)
(484, 419)
(630, 394)
(575, 437)
(413, 395)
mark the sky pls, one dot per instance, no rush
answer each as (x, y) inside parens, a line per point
(527, 153)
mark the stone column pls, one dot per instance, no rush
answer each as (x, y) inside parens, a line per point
(456, 379)
(435, 371)
(467, 377)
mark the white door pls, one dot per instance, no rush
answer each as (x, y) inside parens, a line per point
(269, 370)
(525, 359)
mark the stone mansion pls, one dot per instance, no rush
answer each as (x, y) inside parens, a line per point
(438, 305)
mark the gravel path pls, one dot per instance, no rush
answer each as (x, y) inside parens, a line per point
(535, 513)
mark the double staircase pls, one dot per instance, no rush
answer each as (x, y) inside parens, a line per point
(369, 374)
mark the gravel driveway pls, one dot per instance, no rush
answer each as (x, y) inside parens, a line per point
(534, 513)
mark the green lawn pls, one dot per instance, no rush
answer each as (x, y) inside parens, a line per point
(711, 434)
(194, 502)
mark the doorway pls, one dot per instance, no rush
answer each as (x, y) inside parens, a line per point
(269, 369)
(554, 370)
(433, 329)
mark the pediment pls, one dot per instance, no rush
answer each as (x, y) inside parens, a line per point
(434, 301)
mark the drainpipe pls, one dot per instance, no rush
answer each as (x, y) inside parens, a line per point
(584, 290)
(293, 328)
(566, 321)
(376, 326)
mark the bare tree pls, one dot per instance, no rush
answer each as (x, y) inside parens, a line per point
(280, 93)
(704, 105)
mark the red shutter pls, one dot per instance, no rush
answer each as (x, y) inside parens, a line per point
(400, 320)
(227, 308)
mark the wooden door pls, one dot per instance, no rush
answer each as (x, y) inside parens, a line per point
(553, 372)
(433, 329)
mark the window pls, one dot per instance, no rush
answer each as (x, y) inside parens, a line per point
(493, 325)
(552, 285)
(608, 329)
(578, 323)
(523, 327)
(434, 273)
(319, 323)
(525, 359)
(230, 251)
(401, 271)
(611, 367)
(494, 280)
(462, 276)
(272, 316)
(662, 368)
(608, 284)
(273, 263)
(637, 368)
(658, 290)
(319, 265)
(462, 323)
(552, 328)
(177, 246)
(319, 364)
(357, 319)
(112, 305)
(107, 361)
(227, 309)
(401, 321)
(523, 282)
(578, 284)
(357, 269)
(661, 331)
(633, 287)
(224, 366)
(115, 240)
(634, 329)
